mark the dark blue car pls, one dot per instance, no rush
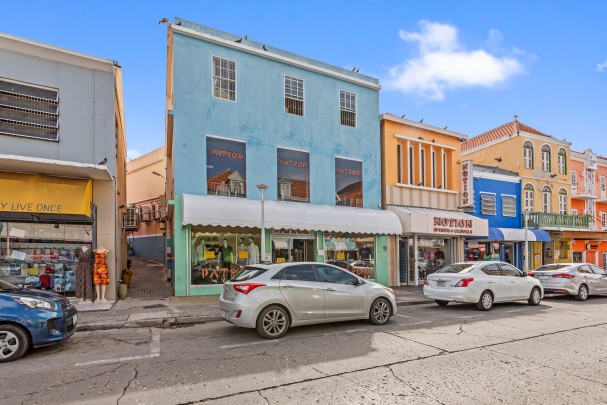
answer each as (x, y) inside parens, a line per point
(32, 318)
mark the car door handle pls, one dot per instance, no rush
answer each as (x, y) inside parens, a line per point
(491, 281)
(288, 286)
(512, 282)
(329, 289)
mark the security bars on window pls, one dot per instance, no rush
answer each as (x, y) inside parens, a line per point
(224, 79)
(29, 111)
(294, 96)
(347, 108)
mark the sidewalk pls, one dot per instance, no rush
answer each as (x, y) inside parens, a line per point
(137, 312)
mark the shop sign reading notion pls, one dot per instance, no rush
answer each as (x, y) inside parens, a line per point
(452, 225)
(467, 184)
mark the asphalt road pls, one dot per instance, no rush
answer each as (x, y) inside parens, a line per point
(515, 354)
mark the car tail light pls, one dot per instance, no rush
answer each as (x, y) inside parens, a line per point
(247, 287)
(531, 275)
(238, 313)
(464, 282)
(563, 275)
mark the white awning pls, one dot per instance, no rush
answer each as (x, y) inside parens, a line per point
(242, 212)
(51, 167)
(430, 221)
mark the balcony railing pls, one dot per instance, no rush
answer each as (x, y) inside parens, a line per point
(545, 220)
(584, 188)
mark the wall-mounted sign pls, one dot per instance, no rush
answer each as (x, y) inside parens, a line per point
(453, 226)
(294, 233)
(592, 246)
(591, 161)
(467, 184)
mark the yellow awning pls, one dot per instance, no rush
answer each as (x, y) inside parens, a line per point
(38, 194)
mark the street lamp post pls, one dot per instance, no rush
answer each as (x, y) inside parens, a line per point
(262, 187)
(526, 215)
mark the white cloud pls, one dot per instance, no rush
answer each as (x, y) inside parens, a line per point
(601, 66)
(444, 64)
(132, 154)
(495, 39)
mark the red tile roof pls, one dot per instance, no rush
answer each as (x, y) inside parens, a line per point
(498, 133)
(351, 191)
(216, 181)
(299, 188)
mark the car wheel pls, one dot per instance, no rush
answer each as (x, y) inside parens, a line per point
(442, 303)
(485, 303)
(273, 322)
(14, 342)
(535, 297)
(582, 294)
(380, 312)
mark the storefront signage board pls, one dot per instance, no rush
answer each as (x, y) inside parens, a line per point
(467, 184)
(39, 194)
(293, 233)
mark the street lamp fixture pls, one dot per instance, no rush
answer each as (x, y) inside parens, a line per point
(262, 187)
(155, 173)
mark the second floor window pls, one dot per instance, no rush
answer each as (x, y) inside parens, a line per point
(562, 201)
(399, 164)
(411, 165)
(488, 204)
(528, 194)
(347, 108)
(294, 96)
(573, 178)
(546, 158)
(226, 167)
(348, 182)
(562, 161)
(224, 78)
(546, 199)
(508, 206)
(528, 154)
(293, 169)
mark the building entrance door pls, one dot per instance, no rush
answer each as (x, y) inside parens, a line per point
(403, 263)
(302, 250)
(509, 253)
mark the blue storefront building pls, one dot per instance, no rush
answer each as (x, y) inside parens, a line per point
(497, 198)
(245, 118)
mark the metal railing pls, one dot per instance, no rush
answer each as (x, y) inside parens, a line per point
(547, 220)
(584, 188)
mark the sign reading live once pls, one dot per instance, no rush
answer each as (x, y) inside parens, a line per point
(467, 184)
(38, 194)
(452, 225)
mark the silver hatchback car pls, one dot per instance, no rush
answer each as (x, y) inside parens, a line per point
(272, 298)
(578, 279)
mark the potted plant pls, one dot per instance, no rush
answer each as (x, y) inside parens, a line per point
(127, 273)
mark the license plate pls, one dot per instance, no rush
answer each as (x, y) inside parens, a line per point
(440, 283)
(543, 277)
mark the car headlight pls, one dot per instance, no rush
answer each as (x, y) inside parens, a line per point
(391, 291)
(35, 303)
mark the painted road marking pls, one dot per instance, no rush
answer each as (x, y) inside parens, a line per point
(262, 342)
(514, 310)
(402, 316)
(468, 316)
(417, 323)
(154, 352)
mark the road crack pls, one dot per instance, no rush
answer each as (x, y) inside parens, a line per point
(422, 394)
(128, 384)
(261, 395)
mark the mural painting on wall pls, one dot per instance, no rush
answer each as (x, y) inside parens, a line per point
(293, 175)
(348, 182)
(226, 167)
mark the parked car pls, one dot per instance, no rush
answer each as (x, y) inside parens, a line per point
(272, 298)
(482, 283)
(578, 279)
(341, 263)
(32, 318)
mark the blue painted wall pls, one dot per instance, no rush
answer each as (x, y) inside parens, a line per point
(150, 247)
(498, 187)
(258, 118)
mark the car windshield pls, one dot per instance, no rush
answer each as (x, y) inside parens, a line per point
(456, 268)
(248, 273)
(6, 287)
(551, 267)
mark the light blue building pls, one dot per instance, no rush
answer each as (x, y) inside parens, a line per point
(241, 113)
(497, 198)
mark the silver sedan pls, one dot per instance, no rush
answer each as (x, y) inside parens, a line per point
(272, 298)
(578, 279)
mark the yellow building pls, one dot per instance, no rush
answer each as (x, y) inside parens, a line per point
(421, 184)
(542, 162)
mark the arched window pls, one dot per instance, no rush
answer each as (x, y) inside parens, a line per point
(528, 154)
(546, 158)
(562, 161)
(546, 199)
(562, 201)
(528, 197)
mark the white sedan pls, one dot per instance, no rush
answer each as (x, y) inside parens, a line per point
(482, 283)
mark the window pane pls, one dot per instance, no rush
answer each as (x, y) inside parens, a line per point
(226, 167)
(293, 175)
(301, 272)
(333, 275)
(353, 253)
(348, 183)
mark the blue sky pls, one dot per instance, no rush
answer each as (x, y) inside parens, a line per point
(470, 65)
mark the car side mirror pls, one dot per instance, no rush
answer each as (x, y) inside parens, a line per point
(525, 274)
(357, 282)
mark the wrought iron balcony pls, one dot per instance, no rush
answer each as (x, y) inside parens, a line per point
(584, 190)
(558, 221)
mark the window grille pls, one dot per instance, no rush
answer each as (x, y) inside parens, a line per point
(224, 78)
(347, 108)
(294, 96)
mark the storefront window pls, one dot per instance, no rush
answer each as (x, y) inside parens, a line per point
(226, 167)
(432, 254)
(485, 251)
(290, 245)
(31, 250)
(216, 257)
(293, 175)
(354, 253)
(348, 182)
